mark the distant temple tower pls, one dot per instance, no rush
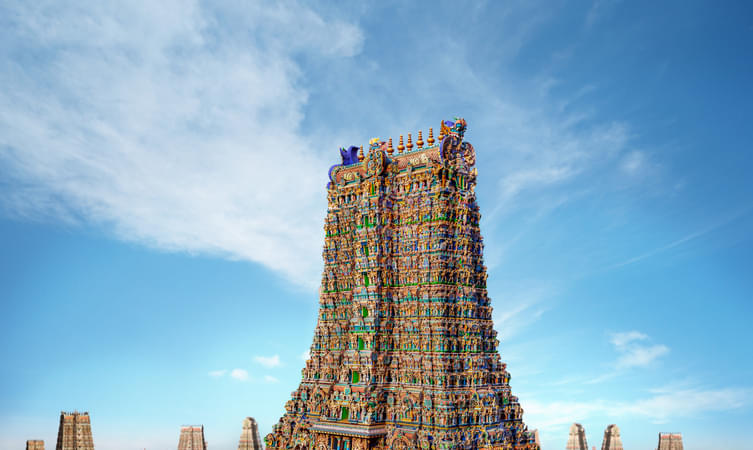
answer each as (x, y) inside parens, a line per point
(250, 439)
(75, 432)
(670, 441)
(34, 445)
(612, 440)
(404, 354)
(192, 438)
(577, 438)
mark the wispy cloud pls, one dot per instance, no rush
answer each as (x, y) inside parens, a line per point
(268, 361)
(620, 340)
(518, 307)
(171, 130)
(641, 356)
(306, 355)
(658, 407)
(633, 352)
(239, 374)
(668, 404)
(270, 379)
(722, 221)
(549, 156)
(633, 163)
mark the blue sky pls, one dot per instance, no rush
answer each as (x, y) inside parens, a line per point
(162, 195)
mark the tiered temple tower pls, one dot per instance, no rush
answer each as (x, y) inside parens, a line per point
(250, 439)
(404, 353)
(75, 432)
(192, 438)
(612, 440)
(670, 441)
(34, 445)
(577, 438)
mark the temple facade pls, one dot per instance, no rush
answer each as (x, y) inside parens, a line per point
(576, 440)
(74, 432)
(192, 438)
(404, 353)
(612, 440)
(34, 444)
(670, 441)
(250, 439)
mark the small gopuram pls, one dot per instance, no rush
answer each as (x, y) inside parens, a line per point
(250, 439)
(577, 438)
(34, 444)
(75, 432)
(192, 438)
(670, 441)
(612, 440)
(404, 354)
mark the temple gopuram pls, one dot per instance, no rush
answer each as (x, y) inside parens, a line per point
(404, 354)
(74, 432)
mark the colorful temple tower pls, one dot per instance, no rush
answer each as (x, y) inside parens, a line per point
(404, 353)
(250, 439)
(75, 432)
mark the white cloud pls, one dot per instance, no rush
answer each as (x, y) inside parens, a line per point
(270, 379)
(268, 361)
(662, 405)
(518, 307)
(239, 374)
(640, 356)
(516, 182)
(668, 404)
(217, 373)
(547, 151)
(173, 124)
(632, 352)
(620, 340)
(306, 355)
(633, 162)
(723, 220)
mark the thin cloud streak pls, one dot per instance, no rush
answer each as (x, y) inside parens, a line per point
(728, 218)
(552, 417)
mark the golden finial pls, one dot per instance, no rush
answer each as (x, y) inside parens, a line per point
(390, 150)
(420, 141)
(360, 154)
(431, 137)
(400, 146)
(441, 131)
(409, 144)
